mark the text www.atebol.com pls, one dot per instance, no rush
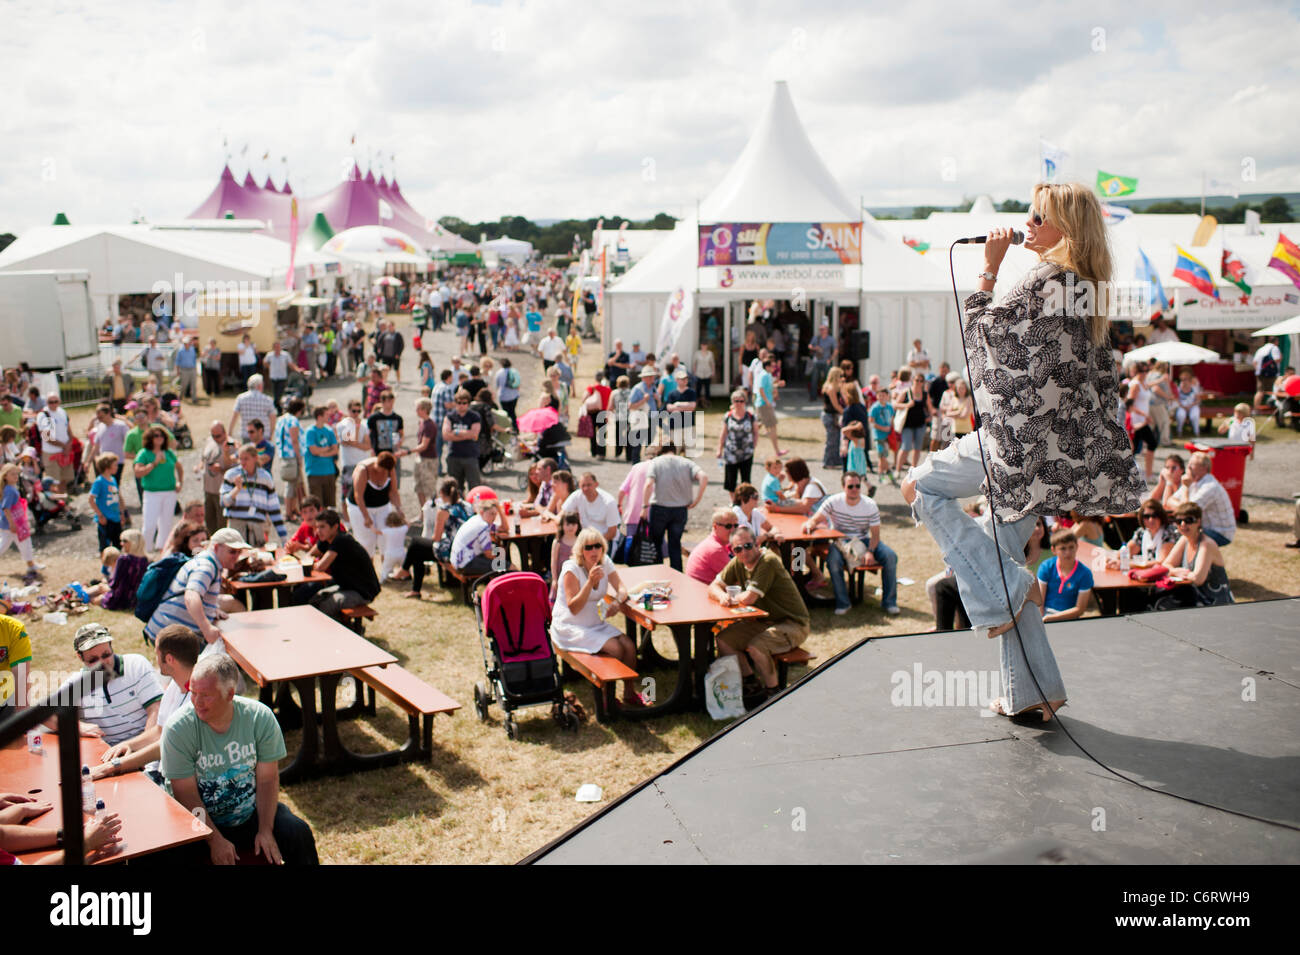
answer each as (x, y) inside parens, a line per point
(1203, 922)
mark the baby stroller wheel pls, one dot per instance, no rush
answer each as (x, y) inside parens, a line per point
(481, 701)
(512, 728)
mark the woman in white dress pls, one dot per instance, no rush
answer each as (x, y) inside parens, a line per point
(578, 620)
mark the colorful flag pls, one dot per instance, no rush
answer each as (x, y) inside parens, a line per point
(1110, 185)
(1286, 259)
(1234, 270)
(1115, 214)
(918, 245)
(1155, 297)
(1192, 271)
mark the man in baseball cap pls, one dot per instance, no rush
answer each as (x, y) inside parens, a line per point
(644, 398)
(194, 597)
(123, 706)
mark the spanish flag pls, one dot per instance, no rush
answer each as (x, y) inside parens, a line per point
(1192, 271)
(1286, 259)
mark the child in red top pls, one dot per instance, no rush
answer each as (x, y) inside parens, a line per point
(304, 539)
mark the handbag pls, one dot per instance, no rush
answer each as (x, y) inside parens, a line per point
(900, 417)
(639, 550)
(585, 427)
(1149, 574)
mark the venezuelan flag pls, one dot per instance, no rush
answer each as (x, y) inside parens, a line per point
(1286, 259)
(1194, 273)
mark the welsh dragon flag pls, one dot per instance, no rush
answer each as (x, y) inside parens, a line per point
(1234, 270)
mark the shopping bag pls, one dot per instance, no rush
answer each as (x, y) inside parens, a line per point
(722, 691)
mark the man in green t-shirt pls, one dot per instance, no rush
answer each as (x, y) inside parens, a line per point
(11, 412)
(766, 584)
(221, 756)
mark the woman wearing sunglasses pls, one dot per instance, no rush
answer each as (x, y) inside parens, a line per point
(1195, 563)
(578, 618)
(1155, 535)
(1045, 387)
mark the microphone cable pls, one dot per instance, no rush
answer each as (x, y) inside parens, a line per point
(1006, 590)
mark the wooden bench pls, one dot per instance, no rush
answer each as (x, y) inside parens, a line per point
(603, 673)
(446, 570)
(787, 659)
(858, 579)
(421, 702)
(356, 617)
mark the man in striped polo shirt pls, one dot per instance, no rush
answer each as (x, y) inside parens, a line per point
(194, 597)
(856, 516)
(125, 705)
(249, 500)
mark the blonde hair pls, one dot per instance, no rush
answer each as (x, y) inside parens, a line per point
(109, 555)
(133, 543)
(1084, 248)
(587, 536)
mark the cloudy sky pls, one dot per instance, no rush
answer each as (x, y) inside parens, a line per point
(573, 109)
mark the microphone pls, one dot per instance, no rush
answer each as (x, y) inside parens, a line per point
(1017, 237)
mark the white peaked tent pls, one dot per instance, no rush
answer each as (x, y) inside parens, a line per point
(779, 177)
(506, 249)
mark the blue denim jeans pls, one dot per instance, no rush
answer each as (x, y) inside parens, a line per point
(888, 561)
(968, 548)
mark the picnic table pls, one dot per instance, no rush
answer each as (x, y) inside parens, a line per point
(1113, 582)
(690, 609)
(151, 819)
(534, 533)
(790, 533)
(302, 646)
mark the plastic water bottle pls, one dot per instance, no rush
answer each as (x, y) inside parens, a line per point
(1124, 559)
(87, 790)
(100, 811)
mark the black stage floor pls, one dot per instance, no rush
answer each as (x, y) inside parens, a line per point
(834, 772)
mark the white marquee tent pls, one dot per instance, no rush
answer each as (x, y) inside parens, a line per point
(133, 259)
(506, 249)
(779, 177)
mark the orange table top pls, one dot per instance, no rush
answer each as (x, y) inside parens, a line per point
(790, 527)
(291, 643)
(1106, 579)
(690, 601)
(151, 819)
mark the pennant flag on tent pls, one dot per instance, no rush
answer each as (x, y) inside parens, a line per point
(918, 245)
(1217, 187)
(1192, 271)
(1111, 185)
(1234, 270)
(61, 219)
(1052, 160)
(293, 240)
(1204, 231)
(1286, 259)
(1155, 297)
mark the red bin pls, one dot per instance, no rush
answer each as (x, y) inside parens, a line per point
(1228, 465)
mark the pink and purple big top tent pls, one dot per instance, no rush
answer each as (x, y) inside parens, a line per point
(356, 201)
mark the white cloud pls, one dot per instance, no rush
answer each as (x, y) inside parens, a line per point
(548, 109)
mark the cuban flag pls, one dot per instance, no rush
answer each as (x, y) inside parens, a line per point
(1192, 271)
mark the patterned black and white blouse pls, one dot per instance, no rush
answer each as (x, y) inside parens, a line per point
(1045, 395)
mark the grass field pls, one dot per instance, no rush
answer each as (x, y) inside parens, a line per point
(484, 798)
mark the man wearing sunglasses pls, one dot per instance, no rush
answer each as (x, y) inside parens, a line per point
(711, 555)
(52, 422)
(767, 585)
(124, 707)
(855, 515)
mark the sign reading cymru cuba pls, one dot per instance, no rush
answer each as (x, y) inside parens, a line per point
(781, 243)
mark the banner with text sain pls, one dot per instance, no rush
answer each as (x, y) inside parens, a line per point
(780, 243)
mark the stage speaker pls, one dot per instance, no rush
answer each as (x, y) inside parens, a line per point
(859, 346)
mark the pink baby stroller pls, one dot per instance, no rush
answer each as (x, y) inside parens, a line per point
(514, 622)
